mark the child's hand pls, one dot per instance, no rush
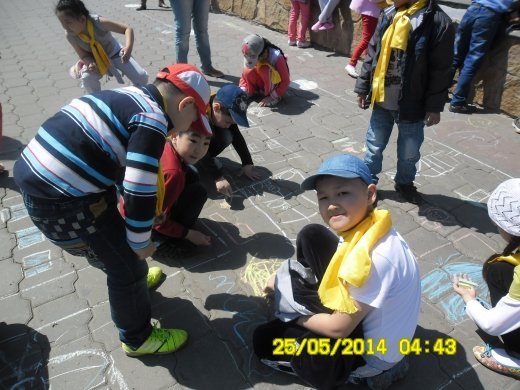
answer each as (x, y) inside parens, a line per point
(269, 101)
(362, 103)
(467, 292)
(92, 67)
(124, 53)
(198, 238)
(250, 172)
(224, 187)
(269, 287)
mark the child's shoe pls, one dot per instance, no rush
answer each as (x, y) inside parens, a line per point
(160, 341)
(303, 44)
(316, 26)
(291, 43)
(326, 26)
(351, 70)
(77, 70)
(484, 354)
(154, 277)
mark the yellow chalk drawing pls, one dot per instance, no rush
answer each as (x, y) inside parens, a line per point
(257, 273)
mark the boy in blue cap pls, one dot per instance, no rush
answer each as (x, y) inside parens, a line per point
(361, 289)
(226, 111)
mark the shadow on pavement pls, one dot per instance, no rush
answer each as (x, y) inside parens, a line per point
(24, 354)
(229, 250)
(449, 211)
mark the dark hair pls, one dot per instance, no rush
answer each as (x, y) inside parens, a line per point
(268, 44)
(509, 249)
(72, 8)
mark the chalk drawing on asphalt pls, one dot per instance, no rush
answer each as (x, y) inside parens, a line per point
(257, 272)
(28, 237)
(437, 287)
(304, 85)
(36, 263)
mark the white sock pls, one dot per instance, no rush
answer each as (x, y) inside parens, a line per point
(501, 356)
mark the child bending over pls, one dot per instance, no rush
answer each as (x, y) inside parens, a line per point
(363, 286)
(502, 275)
(98, 51)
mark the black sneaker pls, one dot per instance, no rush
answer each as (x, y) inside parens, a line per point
(409, 192)
(461, 109)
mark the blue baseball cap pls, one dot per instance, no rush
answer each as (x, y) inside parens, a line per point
(235, 101)
(342, 165)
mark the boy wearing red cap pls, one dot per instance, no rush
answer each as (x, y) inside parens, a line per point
(68, 175)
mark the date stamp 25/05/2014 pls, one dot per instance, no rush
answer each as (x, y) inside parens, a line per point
(358, 346)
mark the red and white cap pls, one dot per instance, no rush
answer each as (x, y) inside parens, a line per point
(191, 82)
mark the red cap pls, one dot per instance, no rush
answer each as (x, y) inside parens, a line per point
(191, 82)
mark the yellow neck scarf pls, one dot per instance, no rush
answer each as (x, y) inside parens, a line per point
(160, 179)
(351, 263)
(100, 56)
(395, 37)
(514, 259)
(275, 76)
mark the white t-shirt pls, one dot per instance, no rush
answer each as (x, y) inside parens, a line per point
(393, 289)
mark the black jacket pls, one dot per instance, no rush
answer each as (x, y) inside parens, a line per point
(426, 76)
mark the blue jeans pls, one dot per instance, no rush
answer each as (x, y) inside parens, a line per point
(409, 141)
(91, 226)
(184, 11)
(476, 32)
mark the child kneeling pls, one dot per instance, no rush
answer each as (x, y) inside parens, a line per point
(363, 286)
(184, 195)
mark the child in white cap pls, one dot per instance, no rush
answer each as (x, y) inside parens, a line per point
(265, 70)
(362, 287)
(502, 275)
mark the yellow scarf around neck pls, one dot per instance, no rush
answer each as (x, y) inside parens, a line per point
(160, 192)
(395, 37)
(351, 263)
(275, 76)
(100, 56)
(514, 259)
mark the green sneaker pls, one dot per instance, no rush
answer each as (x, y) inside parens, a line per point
(154, 277)
(160, 341)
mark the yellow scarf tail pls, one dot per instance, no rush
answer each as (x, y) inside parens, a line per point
(351, 263)
(100, 56)
(275, 75)
(160, 192)
(395, 37)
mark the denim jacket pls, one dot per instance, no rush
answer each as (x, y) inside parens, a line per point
(426, 74)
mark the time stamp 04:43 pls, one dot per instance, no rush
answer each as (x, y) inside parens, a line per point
(359, 346)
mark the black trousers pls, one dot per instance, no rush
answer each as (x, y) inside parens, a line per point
(499, 277)
(315, 246)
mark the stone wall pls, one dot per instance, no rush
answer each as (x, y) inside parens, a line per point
(497, 85)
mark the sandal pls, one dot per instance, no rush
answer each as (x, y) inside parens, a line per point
(484, 355)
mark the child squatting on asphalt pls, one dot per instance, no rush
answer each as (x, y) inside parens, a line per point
(363, 285)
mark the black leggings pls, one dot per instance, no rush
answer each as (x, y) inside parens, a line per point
(499, 277)
(315, 246)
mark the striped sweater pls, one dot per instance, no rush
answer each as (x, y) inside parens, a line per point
(98, 141)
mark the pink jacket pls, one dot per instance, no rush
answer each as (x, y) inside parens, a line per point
(366, 7)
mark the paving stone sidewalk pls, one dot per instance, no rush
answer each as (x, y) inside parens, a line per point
(55, 326)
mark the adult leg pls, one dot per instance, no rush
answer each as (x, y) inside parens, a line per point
(409, 140)
(135, 73)
(378, 134)
(369, 26)
(485, 27)
(498, 277)
(293, 20)
(182, 11)
(200, 26)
